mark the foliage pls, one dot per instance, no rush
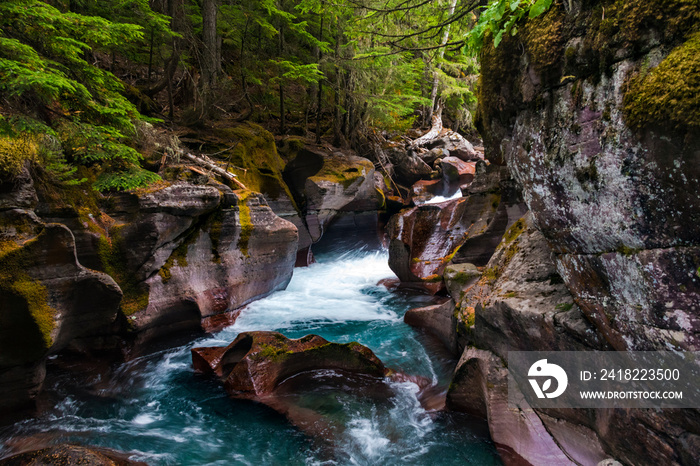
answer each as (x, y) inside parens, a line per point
(13, 154)
(501, 17)
(123, 180)
(44, 66)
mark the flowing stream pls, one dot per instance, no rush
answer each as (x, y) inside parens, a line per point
(158, 408)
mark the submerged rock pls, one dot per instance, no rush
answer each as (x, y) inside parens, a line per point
(255, 363)
(61, 455)
(280, 372)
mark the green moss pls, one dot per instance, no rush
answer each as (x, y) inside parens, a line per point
(461, 277)
(544, 41)
(254, 160)
(470, 319)
(669, 94)
(491, 274)
(339, 171)
(564, 306)
(272, 352)
(628, 21)
(80, 198)
(20, 291)
(511, 294)
(178, 257)
(290, 146)
(382, 198)
(14, 152)
(387, 183)
(511, 244)
(246, 222)
(627, 251)
(515, 231)
(112, 253)
(510, 253)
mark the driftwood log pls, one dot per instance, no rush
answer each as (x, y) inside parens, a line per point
(209, 164)
(437, 131)
(434, 132)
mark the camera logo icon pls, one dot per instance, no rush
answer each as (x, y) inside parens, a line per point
(546, 371)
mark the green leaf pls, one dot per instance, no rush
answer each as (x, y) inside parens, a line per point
(539, 7)
(497, 39)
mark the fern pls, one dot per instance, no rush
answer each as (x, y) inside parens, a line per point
(43, 62)
(133, 178)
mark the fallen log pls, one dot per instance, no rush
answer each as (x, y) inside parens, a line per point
(208, 163)
(432, 134)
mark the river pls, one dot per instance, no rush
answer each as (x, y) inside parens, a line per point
(157, 408)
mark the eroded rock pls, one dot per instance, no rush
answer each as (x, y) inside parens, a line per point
(424, 239)
(60, 455)
(209, 262)
(255, 363)
(48, 301)
(269, 368)
(345, 183)
(455, 170)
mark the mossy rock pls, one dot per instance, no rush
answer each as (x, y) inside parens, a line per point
(26, 318)
(669, 94)
(112, 253)
(254, 159)
(342, 170)
(245, 220)
(14, 152)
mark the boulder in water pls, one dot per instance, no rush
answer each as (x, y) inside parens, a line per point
(279, 372)
(257, 362)
(61, 455)
(457, 170)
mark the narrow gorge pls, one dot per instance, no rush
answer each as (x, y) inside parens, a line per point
(345, 284)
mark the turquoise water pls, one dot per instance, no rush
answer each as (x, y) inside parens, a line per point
(157, 408)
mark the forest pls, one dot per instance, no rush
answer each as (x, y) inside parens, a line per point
(76, 75)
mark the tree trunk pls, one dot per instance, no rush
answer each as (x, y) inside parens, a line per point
(245, 115)
(150, 57)
(441, 54)
(211, 60)
(283, 123)
(319, 99)
(337, 124)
